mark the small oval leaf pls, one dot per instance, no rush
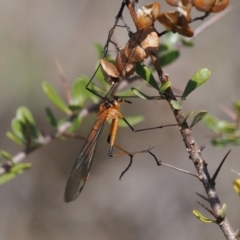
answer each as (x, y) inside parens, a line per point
(143, 71)
(202, 218)
(55, 98)
(50, 117)
(5, 177)
(24, 115)
(176, 105)
(211, 122)
(223, 211)
(20, 167)
(188, 116)
(197, 80)
(74, 125)
(164, 87)
(187, 43)
(14, 138)
(6, 155)
(200, 115)
(139, 93)
(168, 57)
(17, 128)
(14, 171)
(79, 92)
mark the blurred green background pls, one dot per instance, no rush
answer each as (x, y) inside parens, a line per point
(149, 202)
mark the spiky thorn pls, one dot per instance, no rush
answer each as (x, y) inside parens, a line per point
(202, 148)
(218, 169)
(203, 197)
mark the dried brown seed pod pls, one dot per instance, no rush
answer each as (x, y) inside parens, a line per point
(210, 5)
(109, 71)
(176, 3)
(147, 15)
(141, 44)
(124, 65)
(176, 22)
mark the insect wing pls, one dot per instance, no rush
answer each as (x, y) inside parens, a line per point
(81, 167)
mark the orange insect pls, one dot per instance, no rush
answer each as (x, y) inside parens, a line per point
(110, 110)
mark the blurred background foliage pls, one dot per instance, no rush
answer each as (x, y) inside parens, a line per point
(149, 201)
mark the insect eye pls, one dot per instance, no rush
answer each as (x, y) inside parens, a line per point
(118, 99)
(108, 104)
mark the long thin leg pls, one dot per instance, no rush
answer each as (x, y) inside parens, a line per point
(145, 129)
(131, 155)
(119, 16)
(111, 140)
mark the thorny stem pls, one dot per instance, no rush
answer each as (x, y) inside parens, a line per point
(195, 155)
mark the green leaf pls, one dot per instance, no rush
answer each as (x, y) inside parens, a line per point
(164, 87)
(188, 116)
(220, 143)
(50, 117)
(6, 155)
(200, 115)
(139, 93)
(146, 74)
(20, 167)
(18, 130)
(223, 211)
(24, 115)
(54, 97)
(176, 105)
(14, 171)
(227, 127)
(187, 43)
(202, 218)
(196, 81)
(168, 57)
(14, 138)
(99, 49)
(75, 125)
(162, 47)
(170, 39)
(146, 97)
(211, 122)
(75, 108)
(5, 177)
(79, 92)
(133, 120)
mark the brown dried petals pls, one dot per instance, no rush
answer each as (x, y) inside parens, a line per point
(124, 66)
(176, 3)
(141, 44)
(147, 15)
(210, 5)
(176, 22)
(109, 71)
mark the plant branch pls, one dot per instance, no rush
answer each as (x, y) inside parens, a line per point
(195, 154)
(45, 140)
